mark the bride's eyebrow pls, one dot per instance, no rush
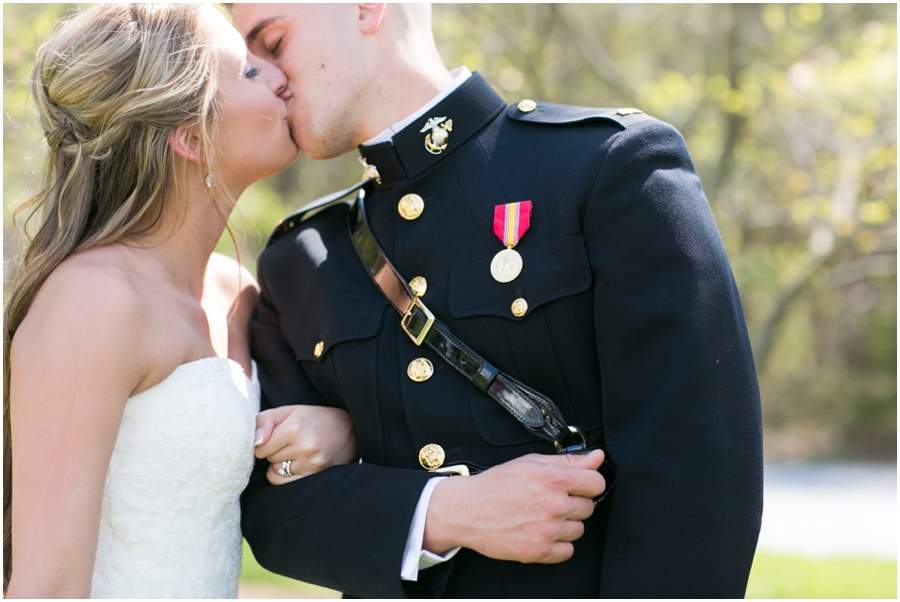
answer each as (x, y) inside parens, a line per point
(252, 35)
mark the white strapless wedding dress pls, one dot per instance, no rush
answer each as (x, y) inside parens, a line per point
(170, 522)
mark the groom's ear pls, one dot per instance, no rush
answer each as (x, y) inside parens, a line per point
(185, 143)
(370, 16)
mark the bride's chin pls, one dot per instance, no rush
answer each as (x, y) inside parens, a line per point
(293, 140)
(286, 159)
(289, 158)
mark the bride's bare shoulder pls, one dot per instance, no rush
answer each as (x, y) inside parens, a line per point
(238, 291)
(229, 275)
(92, 298)
(89, 313)
(101, 278)
(232, 280)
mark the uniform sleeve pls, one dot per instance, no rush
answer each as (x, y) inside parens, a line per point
(681, 409)
(344, 528)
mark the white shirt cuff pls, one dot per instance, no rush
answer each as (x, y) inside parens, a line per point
(414, 557)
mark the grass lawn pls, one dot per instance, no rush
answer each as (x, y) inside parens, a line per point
(798, 577)
(772, 577)
(255, 576)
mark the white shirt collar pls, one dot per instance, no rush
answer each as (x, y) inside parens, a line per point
(460, 74)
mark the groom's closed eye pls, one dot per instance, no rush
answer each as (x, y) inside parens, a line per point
(274, 48)
(258, 28)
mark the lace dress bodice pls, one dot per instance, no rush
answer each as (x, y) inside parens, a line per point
(170, 521)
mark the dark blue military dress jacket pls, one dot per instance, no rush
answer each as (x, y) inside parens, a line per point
(633, 327)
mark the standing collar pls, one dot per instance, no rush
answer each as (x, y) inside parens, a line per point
(470, 107)
(460, 75)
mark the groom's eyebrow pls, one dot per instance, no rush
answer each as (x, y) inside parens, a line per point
(251, 37)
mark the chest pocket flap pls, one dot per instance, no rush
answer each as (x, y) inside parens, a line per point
(325, 322)
(549, 272)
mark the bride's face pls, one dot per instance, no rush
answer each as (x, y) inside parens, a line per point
(253, 139)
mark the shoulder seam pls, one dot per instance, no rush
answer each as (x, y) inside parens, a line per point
(556, 114)
(311, 209)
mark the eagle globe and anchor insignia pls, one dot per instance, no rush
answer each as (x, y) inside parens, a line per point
(438, 129)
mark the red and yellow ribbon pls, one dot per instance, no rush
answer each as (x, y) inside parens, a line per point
(511, 221)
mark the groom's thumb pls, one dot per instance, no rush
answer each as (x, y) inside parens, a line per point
(590, 460)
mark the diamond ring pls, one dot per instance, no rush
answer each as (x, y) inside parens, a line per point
(285, 469)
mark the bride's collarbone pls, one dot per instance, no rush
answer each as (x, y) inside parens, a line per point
(178, 327)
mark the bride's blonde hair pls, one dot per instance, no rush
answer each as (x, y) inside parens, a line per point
(110, 85)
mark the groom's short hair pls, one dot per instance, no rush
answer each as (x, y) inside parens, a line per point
(415, 13)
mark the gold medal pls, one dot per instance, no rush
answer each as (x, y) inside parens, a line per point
(510, 223)
(506, 266)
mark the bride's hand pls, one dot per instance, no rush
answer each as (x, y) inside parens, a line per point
(311, 437)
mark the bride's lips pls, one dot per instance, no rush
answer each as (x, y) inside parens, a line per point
(286, 96)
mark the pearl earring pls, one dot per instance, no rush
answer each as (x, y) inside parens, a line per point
(210, 181)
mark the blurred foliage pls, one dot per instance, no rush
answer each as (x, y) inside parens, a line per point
(789, 112)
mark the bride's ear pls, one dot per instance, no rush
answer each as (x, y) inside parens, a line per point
(185, 143)
(370, 16)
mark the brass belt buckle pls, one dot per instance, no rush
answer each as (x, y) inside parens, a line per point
(407, 317)
(460, 469)
(572, 448)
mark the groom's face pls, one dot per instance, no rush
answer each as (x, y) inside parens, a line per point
(313, 46)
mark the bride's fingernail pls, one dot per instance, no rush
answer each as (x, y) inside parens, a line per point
(259, 437)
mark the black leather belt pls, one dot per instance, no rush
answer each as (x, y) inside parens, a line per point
(534, 410)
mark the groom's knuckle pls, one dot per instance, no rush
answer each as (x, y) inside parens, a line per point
(536, 551)
(556, 506)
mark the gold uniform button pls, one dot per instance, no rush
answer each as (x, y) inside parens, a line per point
(431, 456)
(519, 307)
(420, 370)
(419, 286)
(320, 347)
(527, 105)
(411, 206)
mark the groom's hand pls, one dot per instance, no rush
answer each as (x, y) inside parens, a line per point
(528, 510)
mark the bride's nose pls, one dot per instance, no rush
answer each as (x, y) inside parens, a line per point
(277, 80)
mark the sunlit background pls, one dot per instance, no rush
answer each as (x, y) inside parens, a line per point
(789, 112)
